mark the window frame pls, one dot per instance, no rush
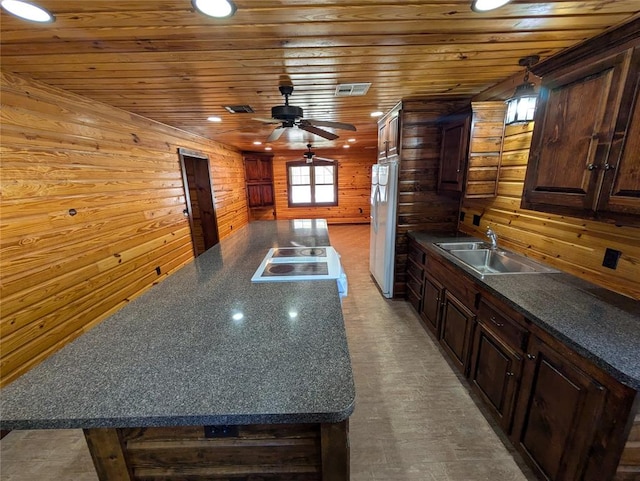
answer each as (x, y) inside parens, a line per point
(302, 163)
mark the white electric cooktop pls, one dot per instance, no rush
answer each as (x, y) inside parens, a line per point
(286, 264)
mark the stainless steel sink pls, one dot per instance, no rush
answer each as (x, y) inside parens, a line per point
(449, 246)
(489, 261)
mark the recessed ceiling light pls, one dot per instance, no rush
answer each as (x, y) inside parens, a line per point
(268, 148)
(376, 114)
(486, 5)
(215, 8)
(27, 11)
(257, 142)
(213, 118)
(346, 146)
(351, 140)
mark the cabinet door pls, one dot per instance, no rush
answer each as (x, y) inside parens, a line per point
(266, 191)
(254, 192)
(495, 374)
(558, 410)
(453, 155)
(382, 139)
(432, 304)
(621, 188)
(457, 325)
(393, 135)
(252, 169)
(573, 134)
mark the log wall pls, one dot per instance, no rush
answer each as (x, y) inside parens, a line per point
(354, 186)
(92, 213)
(420, 206)
(574, 245)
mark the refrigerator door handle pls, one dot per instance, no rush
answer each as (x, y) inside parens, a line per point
(374, 209)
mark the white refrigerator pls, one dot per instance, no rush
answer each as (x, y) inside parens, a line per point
(384, 184)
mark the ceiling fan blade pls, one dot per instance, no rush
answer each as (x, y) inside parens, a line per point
(267, 121)
(275, 135)
(319, 132)
(327, 123)
(323, 158)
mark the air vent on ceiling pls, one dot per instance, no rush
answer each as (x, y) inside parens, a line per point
(239, 109)
(351, 90)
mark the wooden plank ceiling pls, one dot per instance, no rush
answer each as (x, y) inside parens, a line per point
(165, 61)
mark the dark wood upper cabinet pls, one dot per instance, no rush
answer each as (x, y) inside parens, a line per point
(259, 179)
(453, 154)
(585, 156)
(389, 134)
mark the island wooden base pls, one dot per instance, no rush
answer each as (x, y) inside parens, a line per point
(283, 452)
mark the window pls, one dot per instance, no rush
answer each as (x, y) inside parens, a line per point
(312, 184)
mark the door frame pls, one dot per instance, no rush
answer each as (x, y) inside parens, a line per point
(183, 154)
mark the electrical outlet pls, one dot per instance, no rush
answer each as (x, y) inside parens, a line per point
(611, 257)
(222, 431)
(476, 219)
(158, 271)
(462, 216)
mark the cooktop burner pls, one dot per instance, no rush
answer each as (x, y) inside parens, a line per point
(300, 252)
(297, 269)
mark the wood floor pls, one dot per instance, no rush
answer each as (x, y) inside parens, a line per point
(414, 420)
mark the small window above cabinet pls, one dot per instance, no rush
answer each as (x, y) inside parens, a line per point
(453, 153)
(585, 152)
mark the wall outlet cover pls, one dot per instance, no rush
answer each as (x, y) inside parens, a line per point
(611, 257)
(476, 219)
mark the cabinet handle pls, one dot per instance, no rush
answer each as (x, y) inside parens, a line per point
(608, 166)
(509, 373)
(531, 357)
(592, 167)
(493, 319)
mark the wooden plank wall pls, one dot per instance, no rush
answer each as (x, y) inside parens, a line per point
(63, 273)
(573, 245)
(420, 206)
(354, 186)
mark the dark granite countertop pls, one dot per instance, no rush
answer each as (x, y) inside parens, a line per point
(601, 325)
(176, 356)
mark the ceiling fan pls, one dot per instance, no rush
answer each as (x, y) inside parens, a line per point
(290, 116)
(310, 156)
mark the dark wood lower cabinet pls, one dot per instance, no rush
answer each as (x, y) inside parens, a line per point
(432, 304)
(570, 419)
(495, 374)
(558, 413)
(457, 324)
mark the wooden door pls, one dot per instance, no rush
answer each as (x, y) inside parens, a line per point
(382, 139)
(621, 188)
(495, 374)
(457, 325)
(198, 188)
(432, 304)
(393, 135)
(558, 411)
(573, 134)
(453, 155)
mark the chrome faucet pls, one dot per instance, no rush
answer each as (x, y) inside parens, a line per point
(493, 237)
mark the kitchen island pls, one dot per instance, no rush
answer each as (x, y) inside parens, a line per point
(207, 375)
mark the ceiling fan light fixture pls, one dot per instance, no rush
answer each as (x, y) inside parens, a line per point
(215, 8)
(27, 11)
(521, 107)
(487, 5)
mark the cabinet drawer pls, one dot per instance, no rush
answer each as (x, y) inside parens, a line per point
(415, 286)
(507, 329)
(414, 270)
(413, 298)
(416, 255)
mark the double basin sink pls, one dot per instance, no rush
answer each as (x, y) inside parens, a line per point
(485, 260)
